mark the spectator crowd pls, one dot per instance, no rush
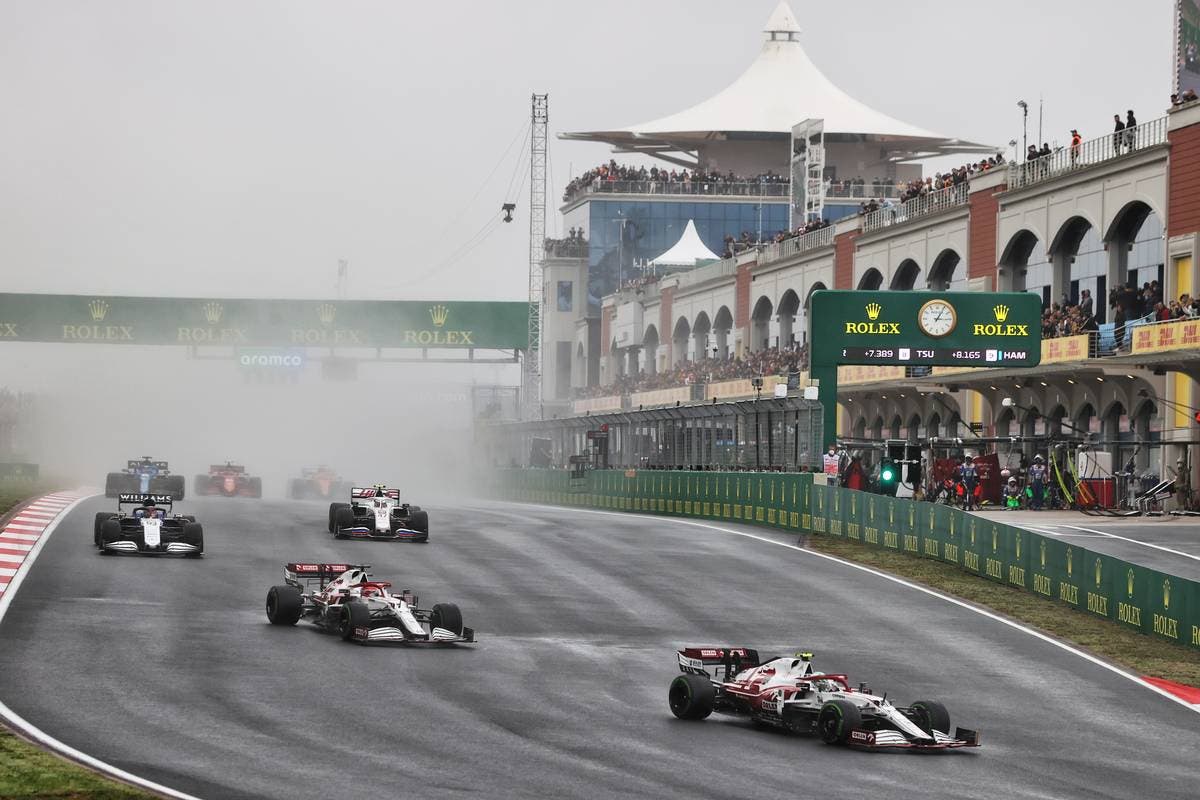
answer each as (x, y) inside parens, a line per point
(614, 177)
(935, 183)
(761, 363)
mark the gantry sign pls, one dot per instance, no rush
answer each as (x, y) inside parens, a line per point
(263, 323)
(916, 329)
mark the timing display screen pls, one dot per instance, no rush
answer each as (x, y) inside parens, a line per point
(898, 356)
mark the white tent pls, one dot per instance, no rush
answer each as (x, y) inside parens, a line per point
(781, 88)
(689, 251)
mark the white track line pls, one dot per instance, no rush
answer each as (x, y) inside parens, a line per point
(35, 733)
(925, 590)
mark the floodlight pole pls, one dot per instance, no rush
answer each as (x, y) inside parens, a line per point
(531, 378)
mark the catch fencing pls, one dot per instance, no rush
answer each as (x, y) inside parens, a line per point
(1132, 596)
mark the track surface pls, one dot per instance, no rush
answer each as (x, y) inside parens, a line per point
(168, 668)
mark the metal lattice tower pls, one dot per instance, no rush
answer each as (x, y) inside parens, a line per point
(532, 374)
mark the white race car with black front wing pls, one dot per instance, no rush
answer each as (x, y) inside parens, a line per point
(787, 693)
(342, 598)
(150, 529)
(375, 512)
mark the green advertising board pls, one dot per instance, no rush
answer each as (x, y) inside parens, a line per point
(99, 319)
(918, 329)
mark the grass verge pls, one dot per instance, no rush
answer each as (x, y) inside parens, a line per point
(1141, 654)
(26, 770)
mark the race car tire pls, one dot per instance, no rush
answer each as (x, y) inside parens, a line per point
(448, 617)
(193, 534)
(413, 509)
(255, 487)
(284, 605)
(354, 615)
(333, 512)
(931, 716)
(419, 521)
(691, 697)
(175, 486)
(188, 517)
(837, 719)
(101, 518)
(344, 518)
(110, 531)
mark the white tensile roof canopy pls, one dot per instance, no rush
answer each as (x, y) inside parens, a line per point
(780, 89)
(689, 251)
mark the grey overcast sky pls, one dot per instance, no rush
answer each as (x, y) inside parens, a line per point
(241, 147)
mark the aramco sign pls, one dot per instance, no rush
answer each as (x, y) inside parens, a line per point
(265, 323)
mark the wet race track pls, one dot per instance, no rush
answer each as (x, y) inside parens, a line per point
(169, 669)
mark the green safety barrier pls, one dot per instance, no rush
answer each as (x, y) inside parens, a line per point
(1152, 602)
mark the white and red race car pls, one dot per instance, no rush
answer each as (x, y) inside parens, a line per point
(375, 512)
(786, 693)
(342, 598)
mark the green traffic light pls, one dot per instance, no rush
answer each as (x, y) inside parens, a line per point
(887, 474)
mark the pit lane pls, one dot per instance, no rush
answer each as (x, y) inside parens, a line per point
(168, 669)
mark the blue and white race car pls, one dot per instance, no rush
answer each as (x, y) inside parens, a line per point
(144, 476)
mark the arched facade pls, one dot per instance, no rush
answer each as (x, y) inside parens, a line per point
(722, 324)
(871, 280)
(789, 306)
(700, 331)
(760, 324)
(650, 350)
(679, 340)
(906, 276)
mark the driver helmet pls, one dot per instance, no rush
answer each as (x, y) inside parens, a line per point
(148, 507)
(1038, 459)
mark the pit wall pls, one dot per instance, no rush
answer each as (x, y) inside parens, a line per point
(1129, 595)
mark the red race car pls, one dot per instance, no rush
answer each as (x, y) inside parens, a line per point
(228, 480)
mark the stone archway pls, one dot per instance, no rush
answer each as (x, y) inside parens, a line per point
(760, 324)
(871, 280)
(679, 340)
(722, 324)
(789, 305)
(906, 276)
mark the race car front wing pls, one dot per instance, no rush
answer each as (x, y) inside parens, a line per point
(392, 634)
(872, 740)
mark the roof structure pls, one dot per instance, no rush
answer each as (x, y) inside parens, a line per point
(780, 89)
(689, 251)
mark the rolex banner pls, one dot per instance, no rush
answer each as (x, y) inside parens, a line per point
(99, 319)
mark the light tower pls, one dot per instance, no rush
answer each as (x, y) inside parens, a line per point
(531, 382)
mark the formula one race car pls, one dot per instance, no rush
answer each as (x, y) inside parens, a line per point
(144, 476)
(341, 598)
(318, 482)
(786, 693)
(149, 529)
(376, 513)
(228, 480)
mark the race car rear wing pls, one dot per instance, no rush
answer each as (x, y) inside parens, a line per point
(733, 659)
(367, 492)
(226, 468)
(311, 571)
(133, 465)
(131, 498)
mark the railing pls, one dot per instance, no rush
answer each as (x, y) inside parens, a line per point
(822, 237)
(691, 188)
(917, 207)
(1087, 154)
(566, 248)
(864, 191)
(721, 269)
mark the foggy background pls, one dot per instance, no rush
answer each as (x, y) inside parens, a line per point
(240, 149)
